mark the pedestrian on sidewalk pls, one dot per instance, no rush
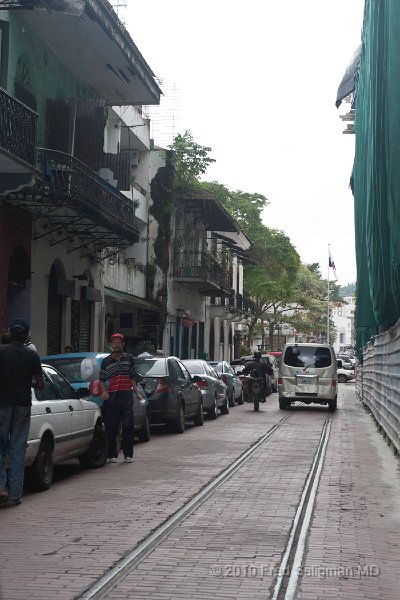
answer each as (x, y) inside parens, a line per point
(20, 369)
(119, 370)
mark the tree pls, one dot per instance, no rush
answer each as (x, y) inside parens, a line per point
(190, 160)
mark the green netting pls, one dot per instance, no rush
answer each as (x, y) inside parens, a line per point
(376, 173)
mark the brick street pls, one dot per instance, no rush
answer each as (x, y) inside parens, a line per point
(61, 541)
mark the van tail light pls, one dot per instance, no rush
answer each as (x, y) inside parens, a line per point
(224, 378)
(162, 387)
(333, 383)
(202, 384)
(279, 380)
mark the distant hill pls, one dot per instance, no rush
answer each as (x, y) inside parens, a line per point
(348, 290)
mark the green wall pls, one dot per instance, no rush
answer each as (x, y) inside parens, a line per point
(49, 77)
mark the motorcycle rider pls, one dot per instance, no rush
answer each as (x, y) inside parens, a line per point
(264, 369)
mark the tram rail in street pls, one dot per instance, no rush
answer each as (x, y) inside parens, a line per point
(116, 574)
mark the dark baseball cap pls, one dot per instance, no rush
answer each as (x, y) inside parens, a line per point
(19, 326)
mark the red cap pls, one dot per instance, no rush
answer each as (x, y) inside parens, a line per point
(118, 336)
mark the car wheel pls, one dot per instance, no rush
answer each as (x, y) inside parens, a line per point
(231, 401)
(342, 378)
(144, 433)
(96, 455)
(41, 471)
(240, 400)
(256, 405)
(332, 405)
(179, 423)
(199, 418)
(213, 411)
(225, 407)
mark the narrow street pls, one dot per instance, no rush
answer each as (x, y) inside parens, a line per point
(311, 511)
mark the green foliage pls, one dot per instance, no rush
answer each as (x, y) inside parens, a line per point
(190, 160)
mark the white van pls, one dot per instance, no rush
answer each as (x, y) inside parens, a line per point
(308, 373)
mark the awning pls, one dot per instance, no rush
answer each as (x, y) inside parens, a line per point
(212, 213)
(131, 299)
(347, 85)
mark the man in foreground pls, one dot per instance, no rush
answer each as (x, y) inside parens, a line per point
(119, 369)
(20, 369)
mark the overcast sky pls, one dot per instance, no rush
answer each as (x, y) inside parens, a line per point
(257, 82)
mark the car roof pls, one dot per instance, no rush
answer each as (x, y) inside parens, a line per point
(75, 355)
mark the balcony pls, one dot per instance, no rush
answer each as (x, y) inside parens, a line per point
(18, 125)
(201, 272)
(77, 206)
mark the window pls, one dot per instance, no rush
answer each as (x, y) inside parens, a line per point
(61, 386)
(47, 393)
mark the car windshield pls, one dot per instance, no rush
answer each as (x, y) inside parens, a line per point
(307, 356)
(217, 367)
(194, 366)
(151, 367)
(76, 369)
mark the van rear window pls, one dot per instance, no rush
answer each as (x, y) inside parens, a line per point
(307, 356)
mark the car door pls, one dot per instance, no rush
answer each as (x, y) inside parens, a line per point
(50, 411)
(219, 385)
(237, 384)
(187, 387)
(80, 411)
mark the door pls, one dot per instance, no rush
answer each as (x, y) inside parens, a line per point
(79, 410)
(193, 391)
(51, 410)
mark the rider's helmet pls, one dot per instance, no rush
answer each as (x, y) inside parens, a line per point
(257, 356)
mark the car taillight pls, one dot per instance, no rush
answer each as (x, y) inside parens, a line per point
(333, 383)
(279, 380)
(201, 384)
(224, 378)
(162, 387)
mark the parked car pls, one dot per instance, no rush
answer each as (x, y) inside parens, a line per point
(63, 426)
(238, 368)
(345, 375)
(81, 368)
(347, 358)
(345, 362)
(172, 392)
(212, 388)
(233, 382)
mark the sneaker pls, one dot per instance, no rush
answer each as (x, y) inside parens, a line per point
(128, 459)
(10, 503)
(112, 460)
(3, 495)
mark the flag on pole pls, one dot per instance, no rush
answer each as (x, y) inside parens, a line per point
(332, 264)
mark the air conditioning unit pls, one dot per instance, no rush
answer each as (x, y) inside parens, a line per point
(134, 158)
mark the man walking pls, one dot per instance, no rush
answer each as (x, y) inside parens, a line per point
(119, 369)
(20, 369)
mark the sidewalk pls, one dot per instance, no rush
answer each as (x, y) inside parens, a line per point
(354, 546)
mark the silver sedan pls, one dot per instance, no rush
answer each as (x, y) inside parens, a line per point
(213, 389)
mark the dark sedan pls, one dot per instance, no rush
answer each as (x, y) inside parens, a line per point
(172, 392)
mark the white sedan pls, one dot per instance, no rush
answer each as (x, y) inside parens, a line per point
(63, 426)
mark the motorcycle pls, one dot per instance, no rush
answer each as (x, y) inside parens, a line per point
(256, 392)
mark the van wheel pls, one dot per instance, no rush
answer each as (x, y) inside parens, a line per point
(332, 405)
(283, 405)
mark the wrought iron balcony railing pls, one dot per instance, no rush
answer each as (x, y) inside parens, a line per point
(18, 129)
(203, 267)
(74, 185)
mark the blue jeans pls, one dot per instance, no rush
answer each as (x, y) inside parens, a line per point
(118, 411)
(14, 429)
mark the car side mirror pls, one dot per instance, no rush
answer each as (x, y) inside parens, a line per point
(339, 364)
(196, 378)
(95, 388)
(82, 393)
